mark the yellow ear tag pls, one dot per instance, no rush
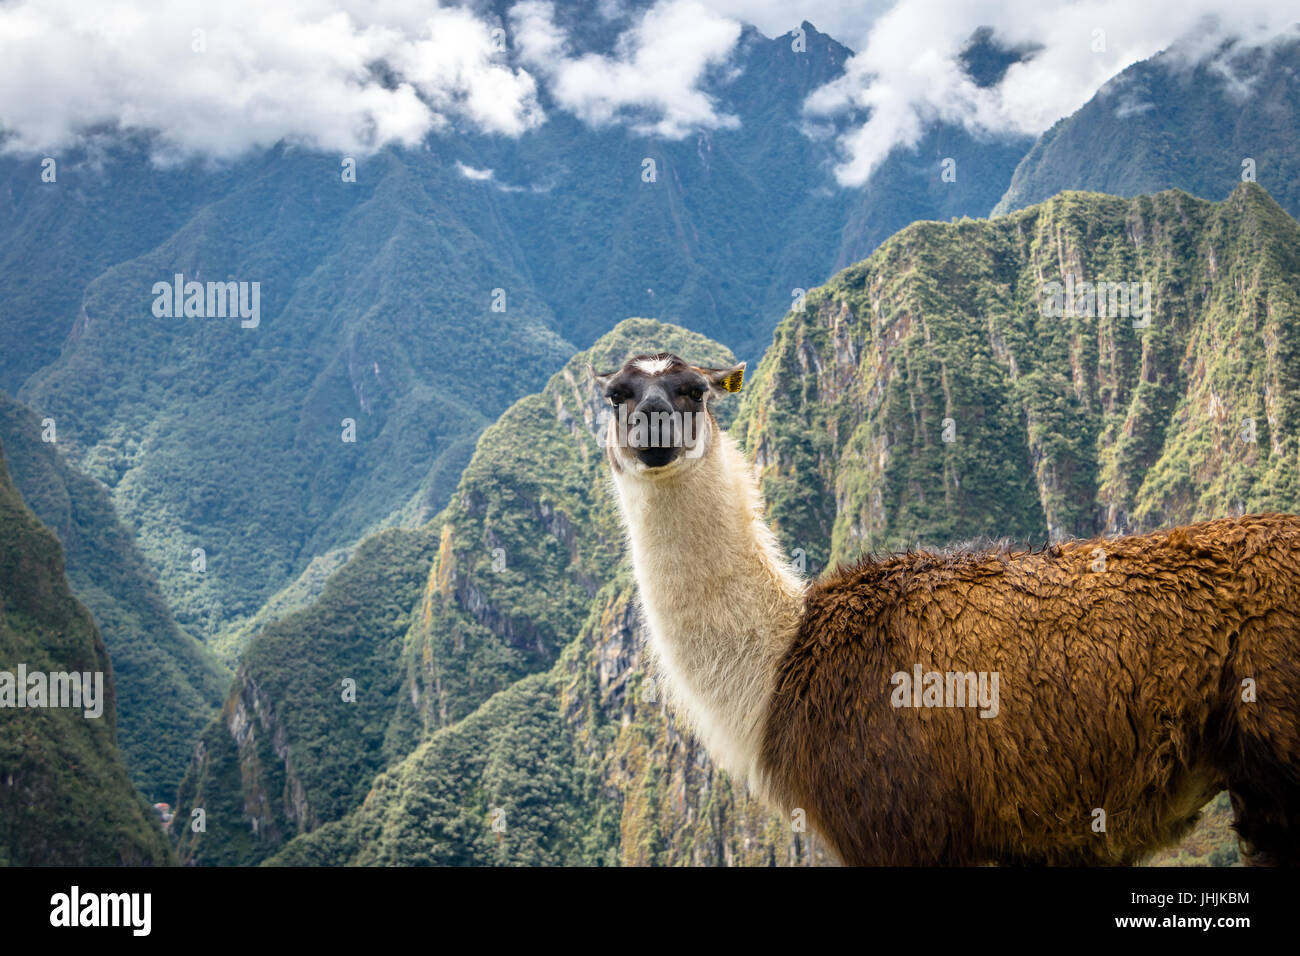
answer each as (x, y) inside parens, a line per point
(733, 381)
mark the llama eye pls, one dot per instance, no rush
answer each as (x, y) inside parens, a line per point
(696, 394)
(617, 398)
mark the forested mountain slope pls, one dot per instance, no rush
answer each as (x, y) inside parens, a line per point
(168, 684)
(401, 313)
(924, 396)
(65, 798)
(432, 623)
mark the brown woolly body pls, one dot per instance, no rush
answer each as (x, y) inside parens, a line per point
(1120, 684)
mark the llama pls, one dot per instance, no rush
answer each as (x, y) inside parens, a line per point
(1075, 705)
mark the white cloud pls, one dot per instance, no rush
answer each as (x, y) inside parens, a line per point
(907, 74)
(353, 75)
(652, 80)
(471, 172)
(220, 78)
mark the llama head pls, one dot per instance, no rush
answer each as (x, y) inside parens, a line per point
(660, 422)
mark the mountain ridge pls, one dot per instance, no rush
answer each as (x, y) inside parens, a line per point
(1186, 120)
(378, 305)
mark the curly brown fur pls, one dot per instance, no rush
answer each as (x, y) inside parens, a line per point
(1121, 689)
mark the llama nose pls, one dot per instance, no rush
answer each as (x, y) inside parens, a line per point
(653, 404)
(655, 416)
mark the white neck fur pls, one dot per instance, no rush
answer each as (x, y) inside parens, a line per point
(721, 601)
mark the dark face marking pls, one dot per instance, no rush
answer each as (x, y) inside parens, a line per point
(660, 405)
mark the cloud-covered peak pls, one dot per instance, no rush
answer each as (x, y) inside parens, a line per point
(653, 80)
(217, 79)
(913, 66)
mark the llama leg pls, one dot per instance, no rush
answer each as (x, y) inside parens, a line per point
(1267, 836)
(1261, 757)
(1268, 825)
(1262, 773)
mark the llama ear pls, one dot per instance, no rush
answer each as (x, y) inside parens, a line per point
(600, 380)
(725, 380)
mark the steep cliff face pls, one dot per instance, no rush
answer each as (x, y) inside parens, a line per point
(302, 729)
(579, 765)
(672, 806)
(65, 798)
(168, 684)
(932, 394)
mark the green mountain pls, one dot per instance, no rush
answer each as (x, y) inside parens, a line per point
(106, 206)
(466, 627)
(579, 765)
(578, 762)
(289, 750)
(168, 684)
(1058, 425)
(923, 396)
(1186, 119)
(435, 633)
(377, 306)
(65, 798)
(233, 440)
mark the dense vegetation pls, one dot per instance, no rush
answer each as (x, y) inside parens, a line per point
(1069, 426)
(168, 684)
(65, 798)
(302, 730)
(579, 765)
(232, 440)
(377, 305)
(522, 550)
